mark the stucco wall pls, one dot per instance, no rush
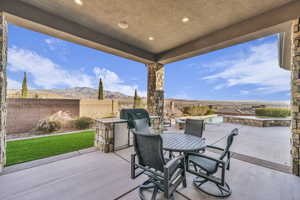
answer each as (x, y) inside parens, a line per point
(23, 114)
(98, 108)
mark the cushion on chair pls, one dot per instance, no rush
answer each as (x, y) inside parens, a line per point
(207, 165)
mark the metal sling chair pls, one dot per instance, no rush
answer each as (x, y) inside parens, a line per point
(205, 168)
(162, 176)
(194, 127)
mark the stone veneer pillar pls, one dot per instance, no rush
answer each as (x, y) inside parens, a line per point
(155, 93)
(3, 83)
(295, 97)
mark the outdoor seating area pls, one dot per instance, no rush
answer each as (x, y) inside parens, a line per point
(176, 155)
(166, 174)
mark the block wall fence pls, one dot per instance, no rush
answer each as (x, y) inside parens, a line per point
(24, 114)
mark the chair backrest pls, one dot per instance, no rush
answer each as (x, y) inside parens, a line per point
(194, 127)
(141, 125)
(148, 148)
(229, 142)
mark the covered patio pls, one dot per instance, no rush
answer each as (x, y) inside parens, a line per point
(98, 175)
(153, 33)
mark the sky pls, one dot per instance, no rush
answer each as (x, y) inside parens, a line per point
(247, 71)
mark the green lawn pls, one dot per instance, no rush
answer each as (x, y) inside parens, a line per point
(32, 149)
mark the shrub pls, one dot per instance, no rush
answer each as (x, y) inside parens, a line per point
(197, 110)
(111, 115)
(272, 112)
(83, 123)
(210, 112)
(48, 126)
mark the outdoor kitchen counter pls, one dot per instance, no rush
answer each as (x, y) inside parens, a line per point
(113, 134)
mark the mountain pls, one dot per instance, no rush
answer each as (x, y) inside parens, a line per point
(70, 93)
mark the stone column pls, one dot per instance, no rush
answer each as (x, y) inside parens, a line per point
(155, 93)
(3, 83)
(295, 96)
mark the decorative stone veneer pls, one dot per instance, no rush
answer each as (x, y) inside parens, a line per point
(3, 84)
(105, 136)
(251, 121)
(156, 124)
(295, 100)
(155, 94)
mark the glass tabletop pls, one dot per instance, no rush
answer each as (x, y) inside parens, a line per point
(180, 142)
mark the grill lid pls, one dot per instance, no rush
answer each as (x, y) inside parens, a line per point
(133, 114)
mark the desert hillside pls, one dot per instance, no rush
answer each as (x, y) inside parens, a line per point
(69, 93)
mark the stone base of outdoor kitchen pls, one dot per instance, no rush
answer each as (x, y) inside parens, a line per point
(113, 134)
(258, 122)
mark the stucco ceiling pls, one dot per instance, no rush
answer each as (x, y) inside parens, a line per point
(212, 25)
(160, 19)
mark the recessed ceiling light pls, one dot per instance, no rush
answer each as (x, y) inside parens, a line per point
(151, 38)
(78, 2)
(185, 19)
(123, 24)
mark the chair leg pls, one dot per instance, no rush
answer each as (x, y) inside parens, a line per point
(170, 196)
(132, 166)
(224, 191)
(184, 179)
(146, 185)
(228, 166)
(155, 191)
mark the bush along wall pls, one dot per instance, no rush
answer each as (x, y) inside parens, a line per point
(197, 110)
(272, 112)
(84, 123)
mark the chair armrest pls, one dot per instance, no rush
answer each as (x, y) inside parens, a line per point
(214, 147)
(207, 157)
(174, 162)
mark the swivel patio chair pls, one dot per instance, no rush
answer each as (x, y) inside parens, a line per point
(205, 168)
(194, 127)
(162, 175)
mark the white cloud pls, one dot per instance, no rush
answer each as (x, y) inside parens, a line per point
(260, 68)
(45, 73)
(220, 86)
(13, 84)
(113, 82)
(53, 43)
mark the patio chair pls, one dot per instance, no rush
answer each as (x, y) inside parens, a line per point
(194, 127)
(141, 125)
(163, 175)
(205, 168)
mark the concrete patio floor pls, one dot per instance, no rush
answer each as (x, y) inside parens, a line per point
(96, 175)
(246, 180)
(268, 143)
(91, 176)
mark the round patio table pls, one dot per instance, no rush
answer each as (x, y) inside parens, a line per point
(180, 142)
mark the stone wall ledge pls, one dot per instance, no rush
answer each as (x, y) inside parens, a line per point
(258, 122)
